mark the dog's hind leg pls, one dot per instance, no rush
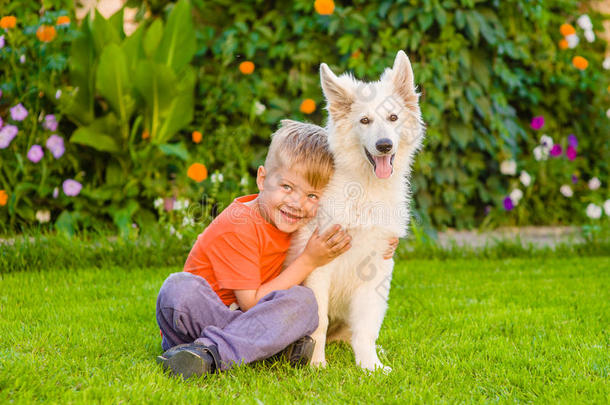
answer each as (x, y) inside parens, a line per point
(319, 282)
(367, 310)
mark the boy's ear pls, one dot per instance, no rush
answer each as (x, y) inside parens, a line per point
(261, 174)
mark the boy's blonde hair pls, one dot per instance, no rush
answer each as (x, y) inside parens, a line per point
(304, 148)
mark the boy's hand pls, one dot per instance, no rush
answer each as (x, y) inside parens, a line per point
(391, 248)
(323, 248)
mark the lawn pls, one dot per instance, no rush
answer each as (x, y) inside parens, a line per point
(513, 330)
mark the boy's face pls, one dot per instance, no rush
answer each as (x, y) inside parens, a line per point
(286, 198)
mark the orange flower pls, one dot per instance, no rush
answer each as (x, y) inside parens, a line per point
(308, 106)
(567, 29)
(46, 33)
(63, 20)
(580, 63)
(356, 54)
(324, 7)
(563, 44)
(8, 21)
(145, 134)
(196, 136)
(197, 172)
(3, 197)
(246, 67)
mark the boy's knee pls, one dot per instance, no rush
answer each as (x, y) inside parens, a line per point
(178, 290)
(308, 305)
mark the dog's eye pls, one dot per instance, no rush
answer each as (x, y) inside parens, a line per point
(393, 117)
(364, 120)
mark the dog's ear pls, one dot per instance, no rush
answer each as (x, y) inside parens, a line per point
(402, 78)
(338, 97)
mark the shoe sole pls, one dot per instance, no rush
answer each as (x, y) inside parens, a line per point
(184, 363)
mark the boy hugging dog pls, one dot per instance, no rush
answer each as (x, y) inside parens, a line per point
(233, 303)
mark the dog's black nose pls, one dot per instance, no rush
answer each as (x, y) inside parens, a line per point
(383, 145)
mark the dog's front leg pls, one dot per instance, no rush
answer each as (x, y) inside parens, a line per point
(319, 282)
(367, 310)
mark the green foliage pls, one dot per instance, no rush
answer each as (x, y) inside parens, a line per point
(484, 69)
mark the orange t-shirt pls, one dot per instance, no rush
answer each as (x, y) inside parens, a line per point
(239, 250)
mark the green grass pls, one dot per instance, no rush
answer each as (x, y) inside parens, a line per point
(515, 330)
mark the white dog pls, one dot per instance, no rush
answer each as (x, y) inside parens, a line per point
(374, 130)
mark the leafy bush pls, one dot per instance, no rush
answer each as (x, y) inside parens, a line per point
(485, 69)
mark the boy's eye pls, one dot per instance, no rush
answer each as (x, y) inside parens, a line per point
(313, 196)
(286, 187)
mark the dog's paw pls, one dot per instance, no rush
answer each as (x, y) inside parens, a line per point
(318, 363)
(377, 367)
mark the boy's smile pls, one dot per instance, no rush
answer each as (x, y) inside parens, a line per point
(286, 198)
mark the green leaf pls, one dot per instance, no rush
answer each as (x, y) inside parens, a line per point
(178, 44)
(97, 140)
(104, 33)
(153, 37)
(175, 149)
(460, 133)
(82, 76)
(113, 81)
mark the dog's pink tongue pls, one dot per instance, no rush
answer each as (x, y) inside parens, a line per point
(383, 168)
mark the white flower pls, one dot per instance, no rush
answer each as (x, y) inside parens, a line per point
(607, 207)
(172, 230)
(541, 153)
(584, 22)
(572, 40)
(58, 94)
(179, 235)
(55, 192)
(525, 178)
(22, 59)
(566, 191)
(593, 211)
(43, 216)
(608, 113)
(244, 181)
(606, 63)
(589, 35)
(187, 221)
(158, 202)
(516, 195)
(217, 178)
(594, 183)
(546, 141)
(259, 108)
(508, 167)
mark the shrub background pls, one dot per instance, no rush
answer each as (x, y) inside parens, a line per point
(485, 68)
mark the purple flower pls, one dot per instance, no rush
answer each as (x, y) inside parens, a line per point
(556, 150)
(574, 179)
(18, 113)
(537, 122)
(1, 41)
(50, 123)
(572, 140)
(571, 152)
(35, 153)
(508, 204)
(71, 187)
(1, 122)
(55, 192)
(7, 133)
(55, 144)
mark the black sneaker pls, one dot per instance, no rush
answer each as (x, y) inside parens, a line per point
(298, 353)
(190, 359)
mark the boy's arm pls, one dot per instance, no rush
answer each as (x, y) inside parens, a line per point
(320, 250)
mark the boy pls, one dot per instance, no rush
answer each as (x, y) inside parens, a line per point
(233, 303)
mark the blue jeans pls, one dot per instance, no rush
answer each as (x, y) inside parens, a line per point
(188, 310)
